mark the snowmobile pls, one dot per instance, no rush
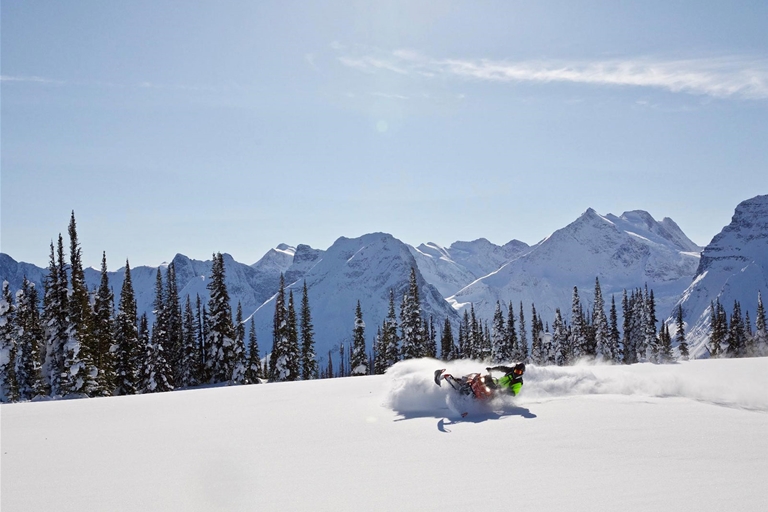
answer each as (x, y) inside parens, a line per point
(480, 387)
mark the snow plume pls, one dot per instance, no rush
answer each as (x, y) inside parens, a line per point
(736, 383)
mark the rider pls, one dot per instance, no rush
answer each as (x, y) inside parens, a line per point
(512, 380)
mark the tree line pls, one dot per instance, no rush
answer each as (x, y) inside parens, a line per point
(80, 345)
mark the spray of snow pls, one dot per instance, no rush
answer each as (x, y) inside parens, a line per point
(731, 383)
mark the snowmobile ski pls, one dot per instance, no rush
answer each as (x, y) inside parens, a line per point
(439, 375)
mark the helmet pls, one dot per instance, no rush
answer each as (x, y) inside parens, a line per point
(519, 369)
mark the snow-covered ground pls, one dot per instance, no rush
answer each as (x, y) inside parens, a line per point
(684, 437)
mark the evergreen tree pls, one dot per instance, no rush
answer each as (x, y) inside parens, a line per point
(9, 385)
(637, 326)
(390, 339)
(154, 369)
(253, 372)
(501, 350)
(465, 342)
(284, 362)
(222, 355)
(447, 350)
(761, 334)
(55, 319)
(629, 353)
(359, 361)
(103, 332)
(603, 349)
(737, 342)
(480, 346)
(578, 332)
(126, 348)
(539, 353)
(717, 333)
(174, 340)
(308, 356)
(431, 342)
(239, 357)
(160, 373)
(202, 333)
(511, 332)
(614, 336)
(293, 350)
(79, 375)
(190, 364)
(665, 342)
(651, 340)
(682, 345)
(411, 325)
(558, 351)
(30, 342)
(522, 353)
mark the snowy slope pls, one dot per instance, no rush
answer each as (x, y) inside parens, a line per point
(733, 267)
(451, 269)
(629, 438)
(623, 252)
(353, 269)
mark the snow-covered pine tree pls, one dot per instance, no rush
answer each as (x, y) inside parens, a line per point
(411, 325)
(557, 350)
(253, 372)
(154, 370)
(190, 364)
(447, 343)
(390, 339)
(126, 348)
(279, 364)
(30, 342)
(174, 343)
(220, 340)
(629, 354)
(161, 374)
(431, 341)
(578, 335)
(603, 349)
(308, 355)
(539, 353)
(615, 336)
(103, 332)
(511, 333)
(737, 342)
(239, 358)
(761, 334)
(293, 351)
(522, 352)
(55, 319)
(717, 333)
(465, 344)
(202, 331)
(79, 375)
(665, 344)
(637, 329)
(501, 351)
(9, 385)
(651, 340)
(682, 345)
(480, 348)
(359, 360)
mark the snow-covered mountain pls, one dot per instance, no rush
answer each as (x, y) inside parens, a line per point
(733, 267)
(624, 252)
(451, 269)
(352, 269)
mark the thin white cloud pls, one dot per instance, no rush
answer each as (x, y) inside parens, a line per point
(31, 79)
(718, 77)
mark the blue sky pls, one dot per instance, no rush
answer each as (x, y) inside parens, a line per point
(234, 126)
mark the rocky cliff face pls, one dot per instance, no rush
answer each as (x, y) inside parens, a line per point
(733, 267)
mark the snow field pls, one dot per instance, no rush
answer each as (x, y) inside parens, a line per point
(580, 438)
